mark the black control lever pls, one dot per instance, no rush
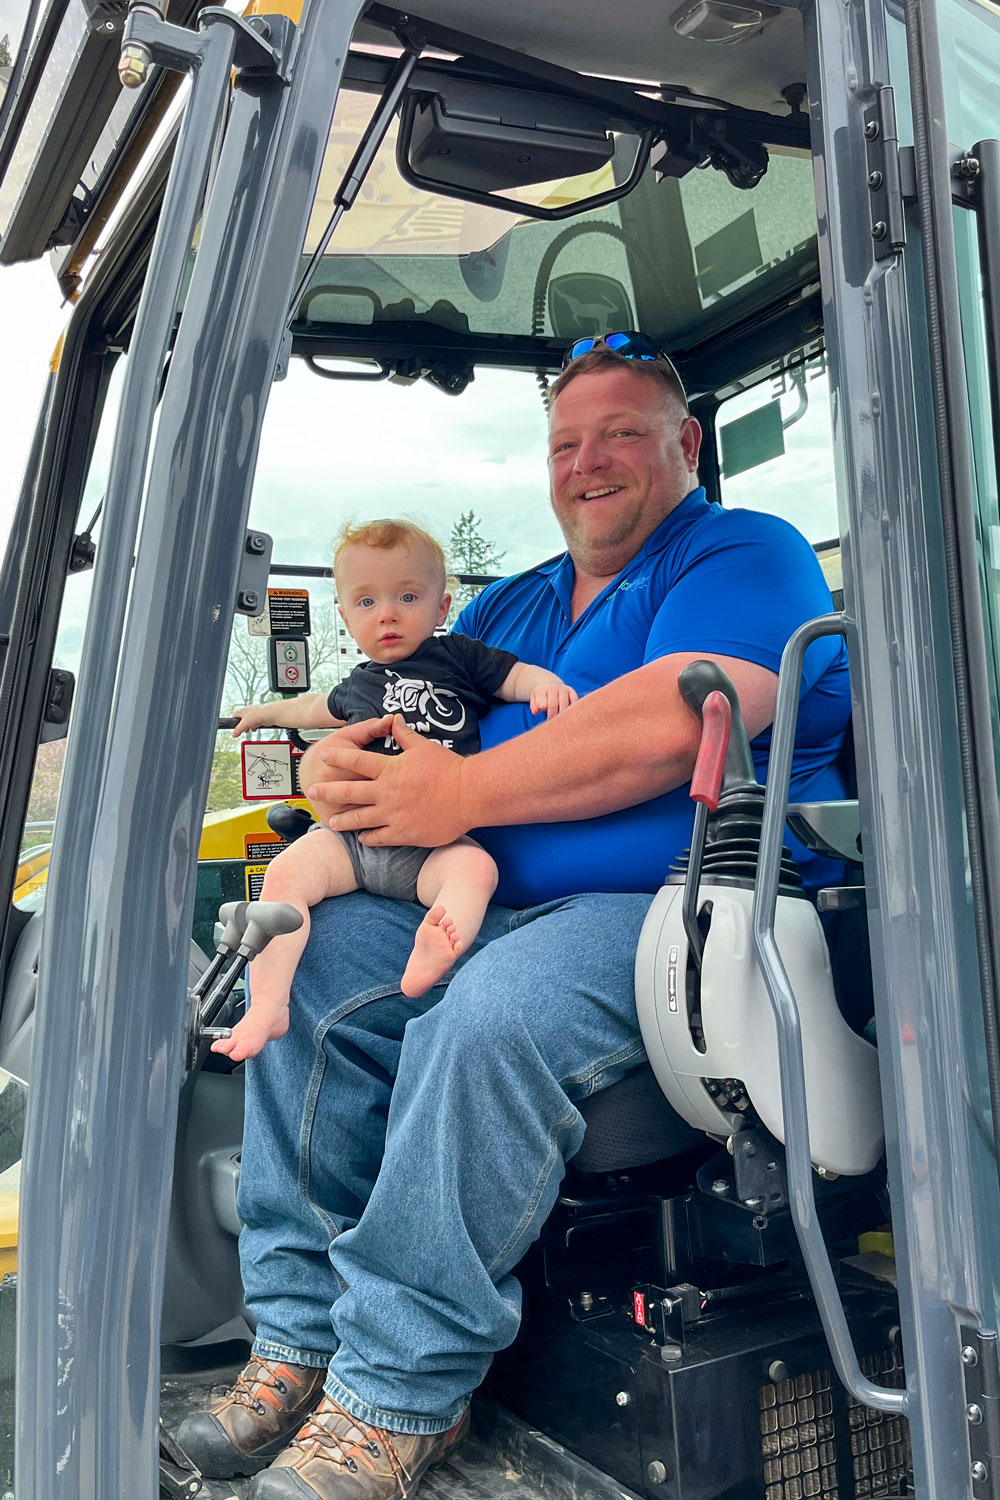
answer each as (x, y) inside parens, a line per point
(233, 916)
(725, 843)
(264, 920)
(251, 925)
(696, 681)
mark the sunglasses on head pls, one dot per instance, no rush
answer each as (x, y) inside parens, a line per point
(628, 345)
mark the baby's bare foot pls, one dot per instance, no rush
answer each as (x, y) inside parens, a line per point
(435, 949)
(264, 1022)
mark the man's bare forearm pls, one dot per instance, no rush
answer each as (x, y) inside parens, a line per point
(626, 743)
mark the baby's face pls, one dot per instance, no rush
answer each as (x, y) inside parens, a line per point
(391, 599)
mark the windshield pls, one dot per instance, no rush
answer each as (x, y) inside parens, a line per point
(665, 258)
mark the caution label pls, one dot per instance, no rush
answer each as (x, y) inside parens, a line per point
(289, 611)
(256, 848)
(254, 880)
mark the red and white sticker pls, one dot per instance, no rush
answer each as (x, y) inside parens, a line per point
(270, 770)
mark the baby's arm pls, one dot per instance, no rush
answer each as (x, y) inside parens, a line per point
(543, 691)
(308, 712)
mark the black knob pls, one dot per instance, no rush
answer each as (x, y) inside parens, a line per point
(696, 681)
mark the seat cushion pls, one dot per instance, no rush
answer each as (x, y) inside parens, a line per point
(631, 1124)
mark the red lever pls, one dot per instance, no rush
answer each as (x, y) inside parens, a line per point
(716, 719)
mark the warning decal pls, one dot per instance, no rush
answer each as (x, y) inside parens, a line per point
(255, 880)
(258, 846)
(289, 611)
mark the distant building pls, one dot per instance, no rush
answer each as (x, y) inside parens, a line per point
(349, 653)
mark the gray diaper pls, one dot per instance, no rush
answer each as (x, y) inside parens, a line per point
(389, 871)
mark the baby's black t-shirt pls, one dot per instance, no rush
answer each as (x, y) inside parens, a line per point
(442, 691)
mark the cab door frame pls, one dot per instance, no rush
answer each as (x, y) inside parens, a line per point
(912, 758)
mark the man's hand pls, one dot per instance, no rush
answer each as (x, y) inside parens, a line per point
(411, 799)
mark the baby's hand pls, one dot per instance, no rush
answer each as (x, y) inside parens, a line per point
(551, 699)
(251, 716)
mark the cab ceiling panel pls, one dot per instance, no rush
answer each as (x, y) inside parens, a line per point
(639, 40)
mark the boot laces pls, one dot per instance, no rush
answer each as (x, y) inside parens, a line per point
(260, 1376)
(341, 1439)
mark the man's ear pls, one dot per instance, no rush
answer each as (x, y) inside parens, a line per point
(690, 437)
(445, 606)
(341, 614)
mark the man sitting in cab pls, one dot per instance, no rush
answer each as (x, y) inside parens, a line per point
(401, 1154)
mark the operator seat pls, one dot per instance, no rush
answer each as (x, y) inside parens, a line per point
(630, 1125)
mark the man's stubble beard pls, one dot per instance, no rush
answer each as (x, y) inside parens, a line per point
(604, 556)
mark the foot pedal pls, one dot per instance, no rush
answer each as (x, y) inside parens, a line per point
(179, 1479)
(288, 822)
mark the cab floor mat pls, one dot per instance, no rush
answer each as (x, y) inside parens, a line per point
(503, 1458)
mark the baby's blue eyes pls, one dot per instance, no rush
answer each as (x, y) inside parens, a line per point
(367, 602)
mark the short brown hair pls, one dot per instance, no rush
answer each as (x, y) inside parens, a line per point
(386, 534)
(602, 358)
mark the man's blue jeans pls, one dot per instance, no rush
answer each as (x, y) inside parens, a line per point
(400, 1155)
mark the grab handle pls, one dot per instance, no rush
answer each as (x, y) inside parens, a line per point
(786, 1016)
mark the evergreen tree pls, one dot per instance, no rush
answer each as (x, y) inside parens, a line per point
(6, 61)
(471, 552)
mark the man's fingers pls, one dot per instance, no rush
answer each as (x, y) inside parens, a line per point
(355, 818)
(357, 792)
(403, 734)
(350, 758)
(365, 731)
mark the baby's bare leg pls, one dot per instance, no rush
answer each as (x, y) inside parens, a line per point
(456, 883)
(305, 873)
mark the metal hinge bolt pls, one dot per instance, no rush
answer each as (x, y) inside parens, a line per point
(970, 1356)
(974, 1414)
(967, 167)
(872, 130)
(622, 1398)
(979, 1472)
(874, 180)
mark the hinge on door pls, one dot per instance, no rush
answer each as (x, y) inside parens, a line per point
(882, 152)
(982, 1410)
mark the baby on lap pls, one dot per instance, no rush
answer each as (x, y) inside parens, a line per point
(391, 580)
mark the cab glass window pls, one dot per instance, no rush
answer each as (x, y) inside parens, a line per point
(775, 450)
(36, 839)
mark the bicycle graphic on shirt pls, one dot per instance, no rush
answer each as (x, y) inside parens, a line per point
(422, 705)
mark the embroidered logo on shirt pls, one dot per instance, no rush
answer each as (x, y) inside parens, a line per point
(632, 583)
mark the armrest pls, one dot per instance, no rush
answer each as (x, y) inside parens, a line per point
(831, 828)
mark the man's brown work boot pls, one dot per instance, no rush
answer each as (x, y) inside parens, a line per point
(338, 1457)
(254, 1421)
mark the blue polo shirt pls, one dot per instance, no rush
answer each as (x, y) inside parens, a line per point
(731, 582)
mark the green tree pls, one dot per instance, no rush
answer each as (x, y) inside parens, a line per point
(6, 61)
(471, 552)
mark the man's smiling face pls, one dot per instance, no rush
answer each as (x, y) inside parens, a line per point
(622, 455)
